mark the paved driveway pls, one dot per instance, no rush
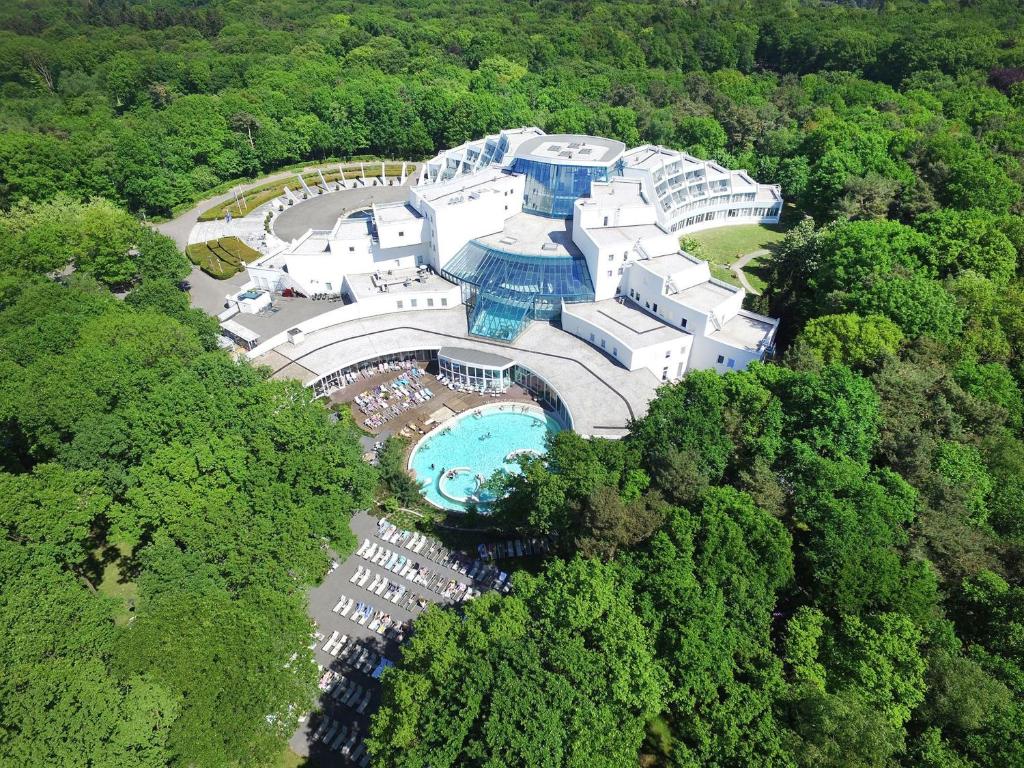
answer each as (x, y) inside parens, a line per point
(322, 211)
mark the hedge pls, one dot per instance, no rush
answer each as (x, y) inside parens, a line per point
(221, 258)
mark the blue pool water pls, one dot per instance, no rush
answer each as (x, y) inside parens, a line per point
(477, 445)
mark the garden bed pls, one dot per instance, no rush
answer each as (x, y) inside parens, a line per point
(221, 258)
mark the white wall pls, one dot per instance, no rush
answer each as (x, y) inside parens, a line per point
(672, 354)
(452, 224)
(369, 307)
(406, 232)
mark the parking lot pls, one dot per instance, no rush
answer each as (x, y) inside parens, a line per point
(353, 653)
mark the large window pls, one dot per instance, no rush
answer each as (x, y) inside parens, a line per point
(552, 189)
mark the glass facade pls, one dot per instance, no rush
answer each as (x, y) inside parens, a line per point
(478, 377)
(552, 189)
(506, 290)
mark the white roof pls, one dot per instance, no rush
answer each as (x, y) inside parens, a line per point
(571, 149)
(747, 330)
(240, 331)
(630, 325)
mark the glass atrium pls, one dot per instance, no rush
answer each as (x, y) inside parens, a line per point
(507, 290)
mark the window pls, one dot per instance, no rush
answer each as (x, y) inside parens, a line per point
(351, 249)
(609, 273)
(430, 302)
(602, 344)
(591, 338)
(412, 303)
(647, 304)
(606, 221)
(721, 359)
(631, 294)
(664, 374)
(655, 307)
(444, 302)
(682, 321)
(401, 233)
(620, 270)
(615, 351)
(668, 353)
(730, 363)
(328, 287)
(611, 257)
(400, 303)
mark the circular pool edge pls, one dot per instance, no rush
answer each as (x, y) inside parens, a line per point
(534, 410)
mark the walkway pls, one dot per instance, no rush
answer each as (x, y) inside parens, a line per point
(601, 395)
(738, 265)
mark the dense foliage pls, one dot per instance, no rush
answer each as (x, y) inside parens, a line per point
(163, 510)
(815, 562)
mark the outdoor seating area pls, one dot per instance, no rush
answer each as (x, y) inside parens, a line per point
(390, 399)
(482, 389)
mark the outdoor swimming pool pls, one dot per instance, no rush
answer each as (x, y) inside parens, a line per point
(475, 445)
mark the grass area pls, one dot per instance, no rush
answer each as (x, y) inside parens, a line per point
(113, 584)
(289, 759)
(726, 244)
(221, 258)
(724, 274)
(264, 193)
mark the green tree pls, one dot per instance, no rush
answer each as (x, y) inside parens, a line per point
(559, 673)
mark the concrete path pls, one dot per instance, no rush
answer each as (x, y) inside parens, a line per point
(738, 265)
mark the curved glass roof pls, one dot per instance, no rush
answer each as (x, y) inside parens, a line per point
(513, 288)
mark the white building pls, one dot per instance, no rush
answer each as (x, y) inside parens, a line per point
(526, 226)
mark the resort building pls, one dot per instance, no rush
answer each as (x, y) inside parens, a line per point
(577, 230)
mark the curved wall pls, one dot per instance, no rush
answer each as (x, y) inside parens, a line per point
(551, 189)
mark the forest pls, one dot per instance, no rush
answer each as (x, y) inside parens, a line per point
(816, 562)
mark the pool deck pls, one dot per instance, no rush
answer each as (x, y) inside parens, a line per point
(601, 395)
(443, 398)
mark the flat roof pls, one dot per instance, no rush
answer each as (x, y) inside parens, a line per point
(240, 331)
(632, 326)
(619, 191)
(746, 330)
(398, 282)
(668, 264)
(477, 181)
(474, 357)
(533, 235)
(347, 228)
(571, 149)
(392, 213)
(623, 237)
(704, 296)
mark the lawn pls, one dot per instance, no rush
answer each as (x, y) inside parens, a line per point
(114, 584)
(725, 244)
(721, 246)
